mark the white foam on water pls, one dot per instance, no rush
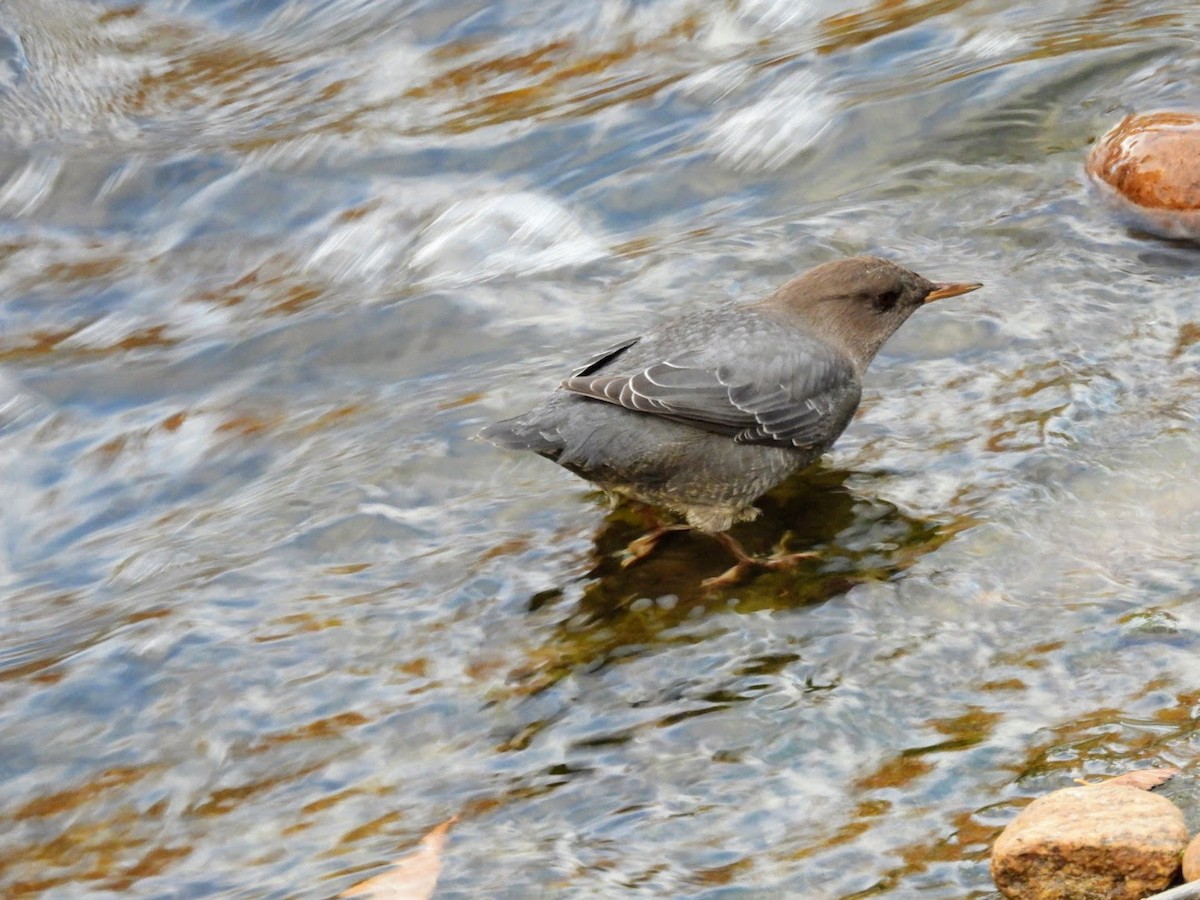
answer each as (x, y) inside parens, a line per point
(770, 133)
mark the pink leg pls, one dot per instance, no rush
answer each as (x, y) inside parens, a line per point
(746, 562)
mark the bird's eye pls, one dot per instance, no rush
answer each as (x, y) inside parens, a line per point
(886, 300)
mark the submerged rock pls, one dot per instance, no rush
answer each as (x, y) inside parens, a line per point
(1109, 841)
(1148, 169)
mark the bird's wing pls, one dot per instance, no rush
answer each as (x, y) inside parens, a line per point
(799, 395)
(605, 356)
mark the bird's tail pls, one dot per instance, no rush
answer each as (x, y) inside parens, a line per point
(522, 434)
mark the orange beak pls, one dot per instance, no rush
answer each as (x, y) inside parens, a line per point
(951, 289)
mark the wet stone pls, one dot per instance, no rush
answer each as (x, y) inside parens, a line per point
(1115, 842)
(1191, 860)
(1148, 169)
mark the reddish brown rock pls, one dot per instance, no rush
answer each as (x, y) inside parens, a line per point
(1110, 841)
(1148, 169)
(1191, 860)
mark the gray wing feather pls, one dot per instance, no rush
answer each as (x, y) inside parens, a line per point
(801, 396)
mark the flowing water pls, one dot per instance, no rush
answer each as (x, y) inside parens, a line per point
(270, 613)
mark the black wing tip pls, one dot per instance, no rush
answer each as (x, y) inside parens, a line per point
(604, 357)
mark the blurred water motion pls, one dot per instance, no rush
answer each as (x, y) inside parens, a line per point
(270, 615)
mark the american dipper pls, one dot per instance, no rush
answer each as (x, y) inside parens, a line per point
(708, 412)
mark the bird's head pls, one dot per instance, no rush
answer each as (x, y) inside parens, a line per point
(859, 302)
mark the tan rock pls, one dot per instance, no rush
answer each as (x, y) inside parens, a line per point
(1105, 841)
(1191, 860)
(1148, 169)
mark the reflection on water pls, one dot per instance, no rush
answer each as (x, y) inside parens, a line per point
(626, 610)
(270, 614)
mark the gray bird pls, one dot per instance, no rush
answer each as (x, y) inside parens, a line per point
(708, 412)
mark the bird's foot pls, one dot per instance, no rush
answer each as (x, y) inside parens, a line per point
(735, 574)
(746, 563)
(639, 549)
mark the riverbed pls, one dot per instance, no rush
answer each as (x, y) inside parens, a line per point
(271, 613)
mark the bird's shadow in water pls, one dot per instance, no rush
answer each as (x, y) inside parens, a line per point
(856, 538)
